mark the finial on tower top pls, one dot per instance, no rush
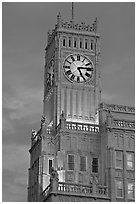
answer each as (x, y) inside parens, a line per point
(72, 11)
(58, 18)
(95, 25)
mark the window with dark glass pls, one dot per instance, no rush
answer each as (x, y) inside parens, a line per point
(119, 159)
(80, 44)
(82, 163)
(130, 161)
(64, 42)
(130, 190)
(50, 165)
(70, 40)
(95, 165)
(119, 189)
(75, 43)
(91, 45)
(70, 162)
(86, 44)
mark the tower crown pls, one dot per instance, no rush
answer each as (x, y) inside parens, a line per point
(72, 27)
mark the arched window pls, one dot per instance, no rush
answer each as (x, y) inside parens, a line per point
(70, 41)
(64, 42)
(80, 44)
(91, 45)
(75, 42)
(86, 44)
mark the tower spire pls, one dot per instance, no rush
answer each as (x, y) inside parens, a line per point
(72, 11)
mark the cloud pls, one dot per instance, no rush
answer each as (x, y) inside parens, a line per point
(7, 126)
(15, 165)
(24, 104)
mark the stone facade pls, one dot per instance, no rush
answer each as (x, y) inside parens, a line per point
(84, 150)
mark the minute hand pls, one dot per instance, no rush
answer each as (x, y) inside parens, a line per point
(82, 67)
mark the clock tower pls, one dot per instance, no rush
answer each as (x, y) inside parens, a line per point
(72, 76)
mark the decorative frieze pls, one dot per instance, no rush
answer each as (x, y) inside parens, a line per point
(117, 108)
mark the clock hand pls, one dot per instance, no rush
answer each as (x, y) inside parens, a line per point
(81, 73)
(82, 67)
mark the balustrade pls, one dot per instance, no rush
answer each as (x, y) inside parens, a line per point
(73, 188)
(124, 124)
(82, 189)
(82, 127)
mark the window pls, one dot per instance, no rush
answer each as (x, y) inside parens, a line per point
(86, 44)
(64, 41)
(70, 162)
(75, 42)
(82, 163)
(70, 40)
(130, 161)
(95, 165)
(50, 165)
(130, 190)
(80, 45)
(119, 159)
(91, 45)
(119, 189)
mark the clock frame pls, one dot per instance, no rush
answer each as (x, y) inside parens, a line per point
(78, 68)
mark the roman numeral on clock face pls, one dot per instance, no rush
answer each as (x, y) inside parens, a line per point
(88, 64)
(78, 79)
(72, 58)
(87, 74)
(68, 61)
(67, 67)
(68, 72)
(83, 59)
(72, 77)
(78, 57)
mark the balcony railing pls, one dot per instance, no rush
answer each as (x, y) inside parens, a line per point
(74, 188)
(92, 190)
(83, 189)
(82, 127)
(124, 124)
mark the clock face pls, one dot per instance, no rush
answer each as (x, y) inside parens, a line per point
(50, 74)
(78, 68)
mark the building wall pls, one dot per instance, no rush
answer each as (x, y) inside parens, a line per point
(117, 138)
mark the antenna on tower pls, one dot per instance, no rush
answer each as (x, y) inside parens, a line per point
(72, 11)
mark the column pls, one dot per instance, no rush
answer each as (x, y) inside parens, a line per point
(62, 99)
(68, 101)
(79, 103)
(65, 102)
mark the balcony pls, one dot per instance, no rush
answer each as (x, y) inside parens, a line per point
(76, 191)
(74, 126)
(73, 189)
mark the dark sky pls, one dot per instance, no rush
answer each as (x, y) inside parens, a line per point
(24, 36)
